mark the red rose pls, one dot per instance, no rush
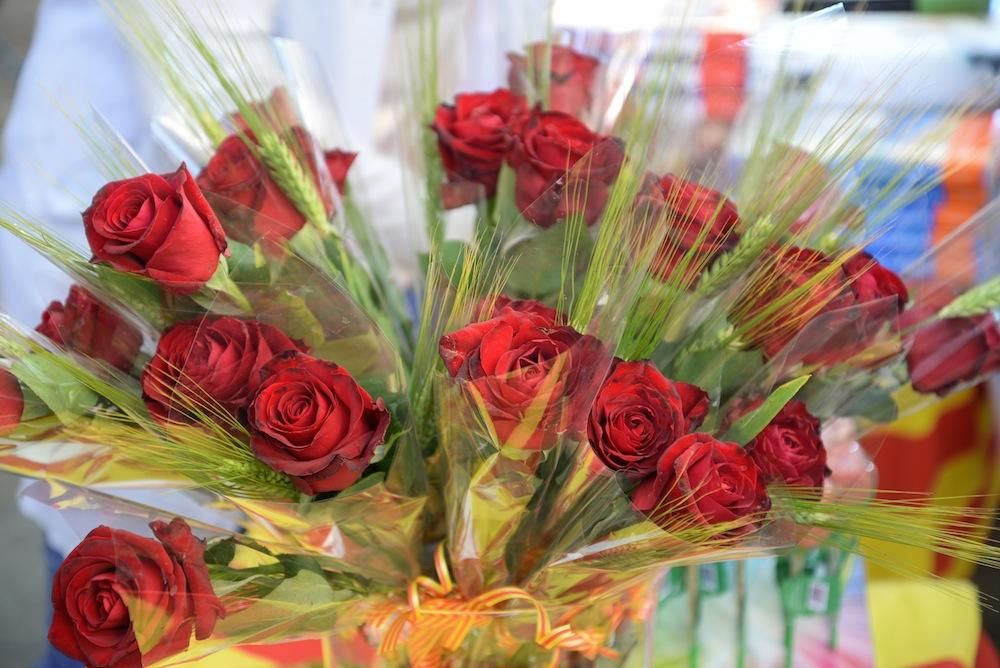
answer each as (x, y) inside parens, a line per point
(562, 168)
(90, 328)
(11, 402)
(214, 362)
(943, 353)
(474, 136)
(697, 218)
(113, 576)
(337, 164)
(571, 76)
(311, 420)
(252, 205)
(699, 479)
(792, 287)
(158, 226)
(510, 361)
(789, 449)
(503, 303)
(638, 413)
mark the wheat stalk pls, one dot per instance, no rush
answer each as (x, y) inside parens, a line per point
(292, 178)
(731, 265)
(976, 301)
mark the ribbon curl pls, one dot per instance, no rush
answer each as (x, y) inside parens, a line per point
(439, 619)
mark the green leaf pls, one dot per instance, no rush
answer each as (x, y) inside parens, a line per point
(247, 264)
(140, 294)
(536, 260)
(53, 385)
(292, 314)
(221, 552)
(221, 295)
(703, 368)
(751, 424)
(358, 354)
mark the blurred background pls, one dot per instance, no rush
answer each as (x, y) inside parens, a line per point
(949, 449)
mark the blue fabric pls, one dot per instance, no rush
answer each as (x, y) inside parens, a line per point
(53, 658)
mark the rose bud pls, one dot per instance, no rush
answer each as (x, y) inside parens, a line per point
(562, 168)
(703, 481)
(312, 421)
(638, 413)
(209, 363)
(338, 163)
(509, 360)
(946, 352)
(113, 576)
(474, 136)
(503, 303)
(696, 218)
(571, 76)
(792, 286)
(85, 325)
(789, 449)
(11, 402)
(157, 225)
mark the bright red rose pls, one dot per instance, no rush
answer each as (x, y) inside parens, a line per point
(159, 226)
(11, 402)
(571, 76)
(503, 303)
(520, 363)
(113, 576)
(311, 420)
(699, 479)
(943, 353)
(789, 449)
(474, 136)
(794, 286)
(697, 218)
(90, 328)
(638, 413)
(562, 168)
(215, 362)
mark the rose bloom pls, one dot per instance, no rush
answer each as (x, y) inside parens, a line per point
(562, 168)
(509, 360)
(947, 352)
(789, 449)
(252, 205)
(818, 287)
(11, 402)
(312, 421)
(638, 413)
(157, 225)
(502, 304)
(697, 219)
(474, 136)
(701, 480)
(113, 575)
(212, 361)
(87, 326)
(571, 76)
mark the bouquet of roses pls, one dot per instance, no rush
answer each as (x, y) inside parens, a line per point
(615, 371)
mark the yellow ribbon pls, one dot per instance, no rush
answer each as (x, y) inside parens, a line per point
(439, 619)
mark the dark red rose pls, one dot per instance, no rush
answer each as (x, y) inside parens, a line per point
(90, 328)
(503, 303)
(11, 402)
(696, 218)
(571, 76)
(946, 352)
(562, 168)
(793, 286)
(159, 226)
(638, 413)
(789, 449)
(311, 420)
(701, 480)
(474, 136)
(215, 362)
(114, 576)
(520, 363)
(337, 164)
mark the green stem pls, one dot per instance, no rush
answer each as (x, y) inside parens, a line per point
(741, 613)
(694, 604)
